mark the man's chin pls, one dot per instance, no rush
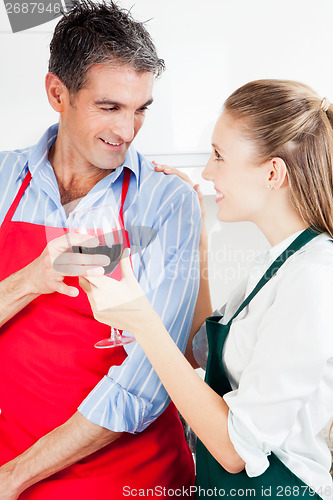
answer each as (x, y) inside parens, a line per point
(111, 165)
(113, 161)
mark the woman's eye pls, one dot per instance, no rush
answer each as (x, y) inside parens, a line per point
(217, 155)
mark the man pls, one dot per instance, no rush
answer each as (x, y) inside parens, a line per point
(125, 436)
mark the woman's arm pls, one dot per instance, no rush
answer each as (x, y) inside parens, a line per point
(124, 305)
(203, 307)
(202, 408)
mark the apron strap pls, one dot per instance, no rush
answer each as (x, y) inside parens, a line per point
(301, 240)
(127, 176)
(17, 199)
(27, 179)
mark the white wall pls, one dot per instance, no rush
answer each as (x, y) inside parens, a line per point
(210, 48)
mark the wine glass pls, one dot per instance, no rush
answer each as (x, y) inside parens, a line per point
(103, 222)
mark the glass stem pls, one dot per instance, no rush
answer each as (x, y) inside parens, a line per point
(113, 333)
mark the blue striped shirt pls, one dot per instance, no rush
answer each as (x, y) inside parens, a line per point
(130, 396)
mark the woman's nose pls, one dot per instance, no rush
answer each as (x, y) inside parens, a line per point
(207, 173)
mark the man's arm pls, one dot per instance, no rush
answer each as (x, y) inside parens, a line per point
(14, 295)
(77, 438)
(141, 389)
(132, 396)
(72, 441)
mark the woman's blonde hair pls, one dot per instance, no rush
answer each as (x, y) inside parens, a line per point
(287, 119)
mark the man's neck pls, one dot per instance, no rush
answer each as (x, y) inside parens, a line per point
(73, 185)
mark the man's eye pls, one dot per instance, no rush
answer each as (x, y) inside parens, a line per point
(108, 109)
(142, 110)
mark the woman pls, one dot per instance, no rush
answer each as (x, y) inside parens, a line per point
(269, 379)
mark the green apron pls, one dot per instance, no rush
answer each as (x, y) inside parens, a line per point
(277, 481)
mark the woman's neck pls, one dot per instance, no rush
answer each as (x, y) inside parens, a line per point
(280, 222)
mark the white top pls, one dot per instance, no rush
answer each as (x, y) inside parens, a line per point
(279, 360)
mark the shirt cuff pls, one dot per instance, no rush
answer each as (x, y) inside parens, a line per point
(200, 347)
(244, 442)
(200, 344)
(111, 406)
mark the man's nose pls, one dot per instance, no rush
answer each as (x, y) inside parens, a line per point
(124, 128)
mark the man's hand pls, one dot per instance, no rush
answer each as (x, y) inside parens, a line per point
(46, 273)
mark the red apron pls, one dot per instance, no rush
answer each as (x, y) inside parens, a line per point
(48, 365)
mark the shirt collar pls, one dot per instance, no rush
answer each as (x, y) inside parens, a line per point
(280, 247)
(266, 257)
(38, 154)
(276, 250)
(38, 157)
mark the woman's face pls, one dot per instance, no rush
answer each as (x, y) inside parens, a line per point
(240, 184)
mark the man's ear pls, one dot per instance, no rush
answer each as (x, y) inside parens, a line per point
(277, 173)
(57, 92)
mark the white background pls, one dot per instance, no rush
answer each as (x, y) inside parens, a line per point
(210, 47)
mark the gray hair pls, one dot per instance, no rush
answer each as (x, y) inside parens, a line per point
(100, 33)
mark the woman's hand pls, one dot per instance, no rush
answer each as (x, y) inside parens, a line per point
(121, 304)
(174, 171)
(203, 243)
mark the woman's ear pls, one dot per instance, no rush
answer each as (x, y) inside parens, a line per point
(57, 92)
(277, 173)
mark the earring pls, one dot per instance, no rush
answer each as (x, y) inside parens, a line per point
(270, 187)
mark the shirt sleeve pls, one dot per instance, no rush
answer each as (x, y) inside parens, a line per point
(131, 396)
(294, 344)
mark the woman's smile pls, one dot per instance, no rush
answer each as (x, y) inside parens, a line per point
(219, 195)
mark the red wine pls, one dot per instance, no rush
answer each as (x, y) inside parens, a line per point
(113, 252)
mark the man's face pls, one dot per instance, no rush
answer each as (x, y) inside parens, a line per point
(99, 123)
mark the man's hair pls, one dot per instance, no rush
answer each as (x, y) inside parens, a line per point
(100, 33)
